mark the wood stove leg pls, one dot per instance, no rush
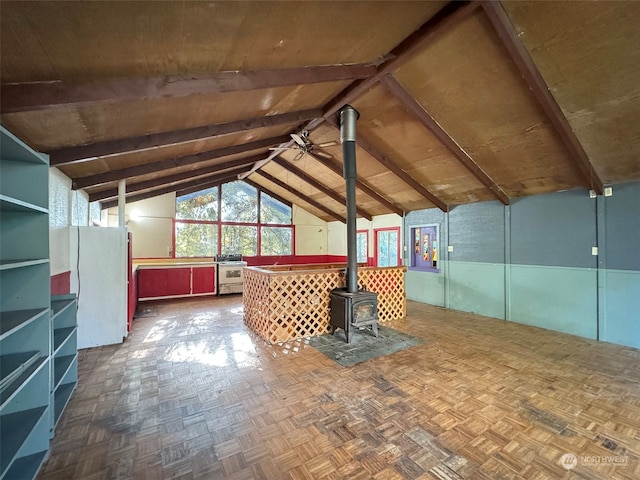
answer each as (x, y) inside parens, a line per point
(347, 333)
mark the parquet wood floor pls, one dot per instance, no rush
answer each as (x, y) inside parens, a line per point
(192, 394)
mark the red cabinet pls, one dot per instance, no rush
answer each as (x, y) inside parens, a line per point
(203, 280)
(169, 281)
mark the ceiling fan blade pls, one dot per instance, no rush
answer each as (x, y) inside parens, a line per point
(284, 148)
(322, 154)
(298, 156)
(326, 144)
(298, 139)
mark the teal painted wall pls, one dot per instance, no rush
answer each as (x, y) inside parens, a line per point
(531, 262)
(425, 287)
(477, 288)
(621, 308)
(557, 298)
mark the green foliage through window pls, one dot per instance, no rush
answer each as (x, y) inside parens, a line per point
(232, 211)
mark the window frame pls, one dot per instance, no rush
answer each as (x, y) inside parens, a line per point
(221, 224)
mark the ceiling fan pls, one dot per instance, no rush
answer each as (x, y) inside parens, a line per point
(304, 145)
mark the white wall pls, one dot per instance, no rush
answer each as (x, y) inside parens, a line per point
(66, 207)
(337, 236)
(150, 222)
(311, 233)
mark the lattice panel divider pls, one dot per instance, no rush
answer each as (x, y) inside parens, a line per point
(284, 305)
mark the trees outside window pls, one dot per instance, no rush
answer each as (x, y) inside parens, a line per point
(225, 220)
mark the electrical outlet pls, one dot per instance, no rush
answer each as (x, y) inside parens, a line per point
(608, 192)
(592, 194)
(594, 251)
(450, 248)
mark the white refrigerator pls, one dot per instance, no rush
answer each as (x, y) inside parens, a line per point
(99, 274)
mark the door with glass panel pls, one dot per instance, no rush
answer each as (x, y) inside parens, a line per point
(387, 246)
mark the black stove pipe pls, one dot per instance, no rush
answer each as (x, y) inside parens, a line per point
(348, 118)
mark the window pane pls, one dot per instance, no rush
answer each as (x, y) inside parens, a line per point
(198, 206)
(276, 241)
(239, 239)
(196, 239)
(239, 203)
(362, 247)
(273, 211)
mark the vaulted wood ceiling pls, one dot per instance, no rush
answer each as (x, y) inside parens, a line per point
(460, 102)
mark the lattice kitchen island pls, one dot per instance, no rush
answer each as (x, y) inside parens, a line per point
(284, 302)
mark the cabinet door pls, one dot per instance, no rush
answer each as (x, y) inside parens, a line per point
(204, 280)
(164, 282)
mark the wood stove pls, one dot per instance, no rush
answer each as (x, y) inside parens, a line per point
(351, 308)
(351, 311)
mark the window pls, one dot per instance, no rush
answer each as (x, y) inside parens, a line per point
(276, 241)
(424, 248)
(198, 206)
(362, 246)
(196, 239)
(273, 211)
(387, 246)
(239, 203)
(225, 220)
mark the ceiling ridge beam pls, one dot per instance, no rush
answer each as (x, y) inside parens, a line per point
(154, 167)
(178, 177)
(21, 97)
(362, 185)
(400, 93)
(444, 19)
(538, 86)
(268, 192)
(83, 153)
(162, 191)
(302, 196)
(319, 186)
(396, 169)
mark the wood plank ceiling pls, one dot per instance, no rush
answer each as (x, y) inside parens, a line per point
(460, 102)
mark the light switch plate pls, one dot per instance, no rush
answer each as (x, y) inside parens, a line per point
(594, 250)
(608, 191)
(450, 248)
(592, 194)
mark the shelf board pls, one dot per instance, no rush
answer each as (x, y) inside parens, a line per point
(59, 306)
(13, 321)
(26, 467)
(61, 398)
(61, 366)
(9, 363)
(60, 336)
(15, 150)
(16, 427)
(9, 264)
(10, 204)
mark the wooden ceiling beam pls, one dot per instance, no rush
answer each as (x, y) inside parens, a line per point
(319, 186)
(168, 189)
(154, 167)
(538, 86)
(83, 153)
(301, 196)
(199, 188)
(395, 169)
(398, 91)
(268, 192)
(337, 168)
(443, 20)
(20, 97)
(169, 179)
